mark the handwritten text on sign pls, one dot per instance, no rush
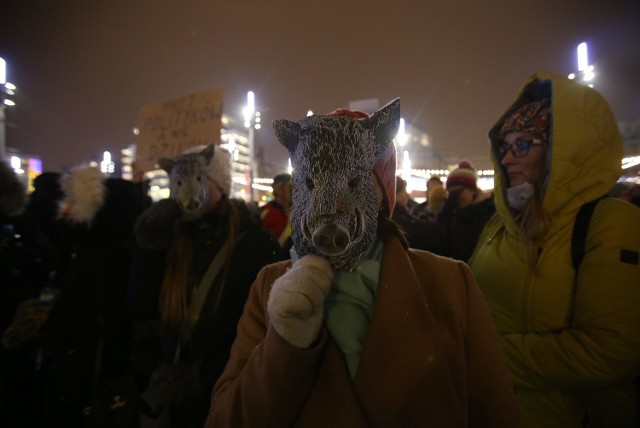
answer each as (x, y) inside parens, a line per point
(171, 127)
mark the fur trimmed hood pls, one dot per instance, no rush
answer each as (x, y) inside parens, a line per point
(84, 195)
(106, 206)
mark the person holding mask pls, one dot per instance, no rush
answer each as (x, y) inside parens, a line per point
(358, 330)
(571, 338)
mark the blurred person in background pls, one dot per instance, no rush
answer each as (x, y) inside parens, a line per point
(419, 233)
(437, 198)
(196, 255)
(621, 190)
(634, 194)
(87, 334)
(43, 206)
(464, 213)
(569, 326)
(275, 214)
(422, 209)
(27, 259)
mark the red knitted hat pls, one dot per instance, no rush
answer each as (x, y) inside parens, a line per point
(464, 175)
(384, 169)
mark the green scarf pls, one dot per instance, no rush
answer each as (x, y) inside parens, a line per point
(348, 308)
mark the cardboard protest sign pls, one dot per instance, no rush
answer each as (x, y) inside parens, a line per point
(168, 128)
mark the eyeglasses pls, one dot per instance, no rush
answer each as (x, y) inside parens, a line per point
(519, 148)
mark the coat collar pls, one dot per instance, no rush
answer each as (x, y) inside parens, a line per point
(403, 347)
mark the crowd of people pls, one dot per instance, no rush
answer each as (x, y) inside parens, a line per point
(341, 301)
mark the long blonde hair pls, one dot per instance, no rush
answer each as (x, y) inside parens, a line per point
(534, 223)
(179, 280)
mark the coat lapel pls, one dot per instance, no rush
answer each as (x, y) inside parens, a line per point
(403, 350)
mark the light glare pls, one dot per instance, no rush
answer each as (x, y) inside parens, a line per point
(583, 59)
(3, 71)
(16, 163)
(401, 136)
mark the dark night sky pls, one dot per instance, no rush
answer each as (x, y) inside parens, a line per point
(83, 68)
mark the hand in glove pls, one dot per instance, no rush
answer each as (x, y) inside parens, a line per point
(296, 302)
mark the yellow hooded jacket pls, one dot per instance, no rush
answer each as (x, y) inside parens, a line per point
(571, 341)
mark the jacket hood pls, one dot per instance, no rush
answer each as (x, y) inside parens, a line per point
(84, 194)
(106, 206)
(585, 147)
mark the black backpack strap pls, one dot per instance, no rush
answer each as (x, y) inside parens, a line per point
(580, 229)
(578, 240)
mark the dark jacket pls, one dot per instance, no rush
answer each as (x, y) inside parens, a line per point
(89, 329)
(203, 357)
(460, 228)
(420, 233)
(26, 260)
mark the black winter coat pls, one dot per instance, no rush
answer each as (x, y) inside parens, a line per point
(88, 331)
(203, 357)
(462, 227)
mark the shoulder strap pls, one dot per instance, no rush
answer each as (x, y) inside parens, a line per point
(201, 291)
(198, 298)
(580, 229)
(578, 240)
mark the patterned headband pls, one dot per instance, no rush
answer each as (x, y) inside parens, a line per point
(532, 118)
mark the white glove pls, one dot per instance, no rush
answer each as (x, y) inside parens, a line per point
(296, 301)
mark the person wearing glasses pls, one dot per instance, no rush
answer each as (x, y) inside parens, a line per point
(571, 336)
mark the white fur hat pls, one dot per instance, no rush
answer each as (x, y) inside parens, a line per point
(219, 168)
(84, 194)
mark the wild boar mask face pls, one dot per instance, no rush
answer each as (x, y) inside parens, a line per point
(335, 207)
(188, 181)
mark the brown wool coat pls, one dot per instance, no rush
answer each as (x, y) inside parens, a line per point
(431, 358)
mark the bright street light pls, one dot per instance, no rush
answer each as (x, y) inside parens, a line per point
(401, 136)
(585, 70)
(406, 167)
(249, 109)
(252, 121)
(6, 89)
(583, 56)
(3, 71)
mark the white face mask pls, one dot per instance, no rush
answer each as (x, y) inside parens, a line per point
(518, 196)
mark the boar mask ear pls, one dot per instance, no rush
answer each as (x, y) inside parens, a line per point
(165, 164)
(287, 133)
(385, 123)
(207, 153)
